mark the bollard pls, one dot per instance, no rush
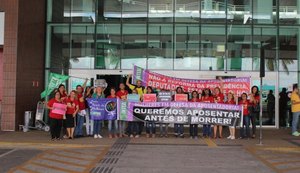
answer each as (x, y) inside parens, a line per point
(27, 120)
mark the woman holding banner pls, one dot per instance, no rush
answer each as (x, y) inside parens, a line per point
(122, 94)
(179, 128)
(218, 98)
(150, 125)
(207, 98)
(231, 100)
(254, 108)
(112, 124)
(194, 127)
(55, 119)
(72, 110)
(99, 93)
(246, 117)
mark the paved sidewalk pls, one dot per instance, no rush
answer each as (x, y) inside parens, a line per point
(35, 152)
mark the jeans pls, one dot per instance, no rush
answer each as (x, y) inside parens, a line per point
(113, 126)
(178, 129)
(194, 130)
(253, 116)
(163, 128)
(295, 121)
(89, 124)
(79, 125)
(246, 122)
(55, 127)
(122, 126)
(141, 127)
(206, 130)
(97, 127)
(133, 128)
(150, 128)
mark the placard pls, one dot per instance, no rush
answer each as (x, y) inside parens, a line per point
(59, 108)
(149, 97)
(181, 97)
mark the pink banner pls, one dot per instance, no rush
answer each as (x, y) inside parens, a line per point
(59, 108)
(163, 82)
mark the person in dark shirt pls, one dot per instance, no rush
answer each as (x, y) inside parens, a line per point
(283, 100)
(270, 106)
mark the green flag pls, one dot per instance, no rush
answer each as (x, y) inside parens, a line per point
(54, 81)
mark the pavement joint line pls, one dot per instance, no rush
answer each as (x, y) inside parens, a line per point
(8, 152)
(52, 167)
(290, 169)
(24, 164)
(286, 162)
(64, 162)
(98, 159)
(253, 153)
(210, 143)
(77, 152)
(50, 144)
(282, 149)
(27, 170)
(72, 157)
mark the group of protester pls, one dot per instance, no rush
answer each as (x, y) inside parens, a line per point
(78, 112)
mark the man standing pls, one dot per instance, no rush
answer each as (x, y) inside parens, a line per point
(295, 109)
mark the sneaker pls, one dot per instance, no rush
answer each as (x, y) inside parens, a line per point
(95, 136)
(229, 137)
(131, 136)
(296, 133)
(99, 136)
(191, 137)
(232, 138)
(137, 136)
(196, 137)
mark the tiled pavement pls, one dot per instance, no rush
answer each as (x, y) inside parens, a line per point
(33, 152)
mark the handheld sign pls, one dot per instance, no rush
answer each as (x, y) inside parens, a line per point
(59, 108)
(181, 97)
(133, 97)
(149, 98)
(164, 96)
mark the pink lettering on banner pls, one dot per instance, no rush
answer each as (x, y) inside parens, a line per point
(59, 108)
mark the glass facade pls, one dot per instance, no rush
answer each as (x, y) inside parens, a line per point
(176, 35)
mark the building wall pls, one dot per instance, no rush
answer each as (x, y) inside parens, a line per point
(23, 59)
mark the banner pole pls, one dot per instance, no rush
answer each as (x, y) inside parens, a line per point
(260, 113)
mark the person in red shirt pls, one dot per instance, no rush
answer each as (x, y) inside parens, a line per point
(72, 109)
(207, 98)
(246, 117)
(194, 127)
(254, 107)
(218, 98)
(63, 92)
(231, 100)
(122, 93)
(81, 113)
(55, 119)
(112, 124)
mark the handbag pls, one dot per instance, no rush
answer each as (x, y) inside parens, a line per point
(256, 108)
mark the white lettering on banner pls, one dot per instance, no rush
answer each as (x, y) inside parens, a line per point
(210, 120)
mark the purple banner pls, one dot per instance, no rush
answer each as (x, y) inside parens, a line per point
(103, 109)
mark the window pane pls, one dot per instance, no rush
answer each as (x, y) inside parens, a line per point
(58, 11)
(187, 47)
(239, 12)
(109, 10)
(264, 12)
(134, 10)
(187, 11)
(160, 11)
(289, 12)
(265, 36)
(212, 47)
(83, 11)
(213, 11)
(135, 46)
(82, 47)
(288, 49)
(160, 46)
(58, 53)
(108, 50)
(239, 47)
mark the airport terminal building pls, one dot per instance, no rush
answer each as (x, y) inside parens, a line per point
(196, 39)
